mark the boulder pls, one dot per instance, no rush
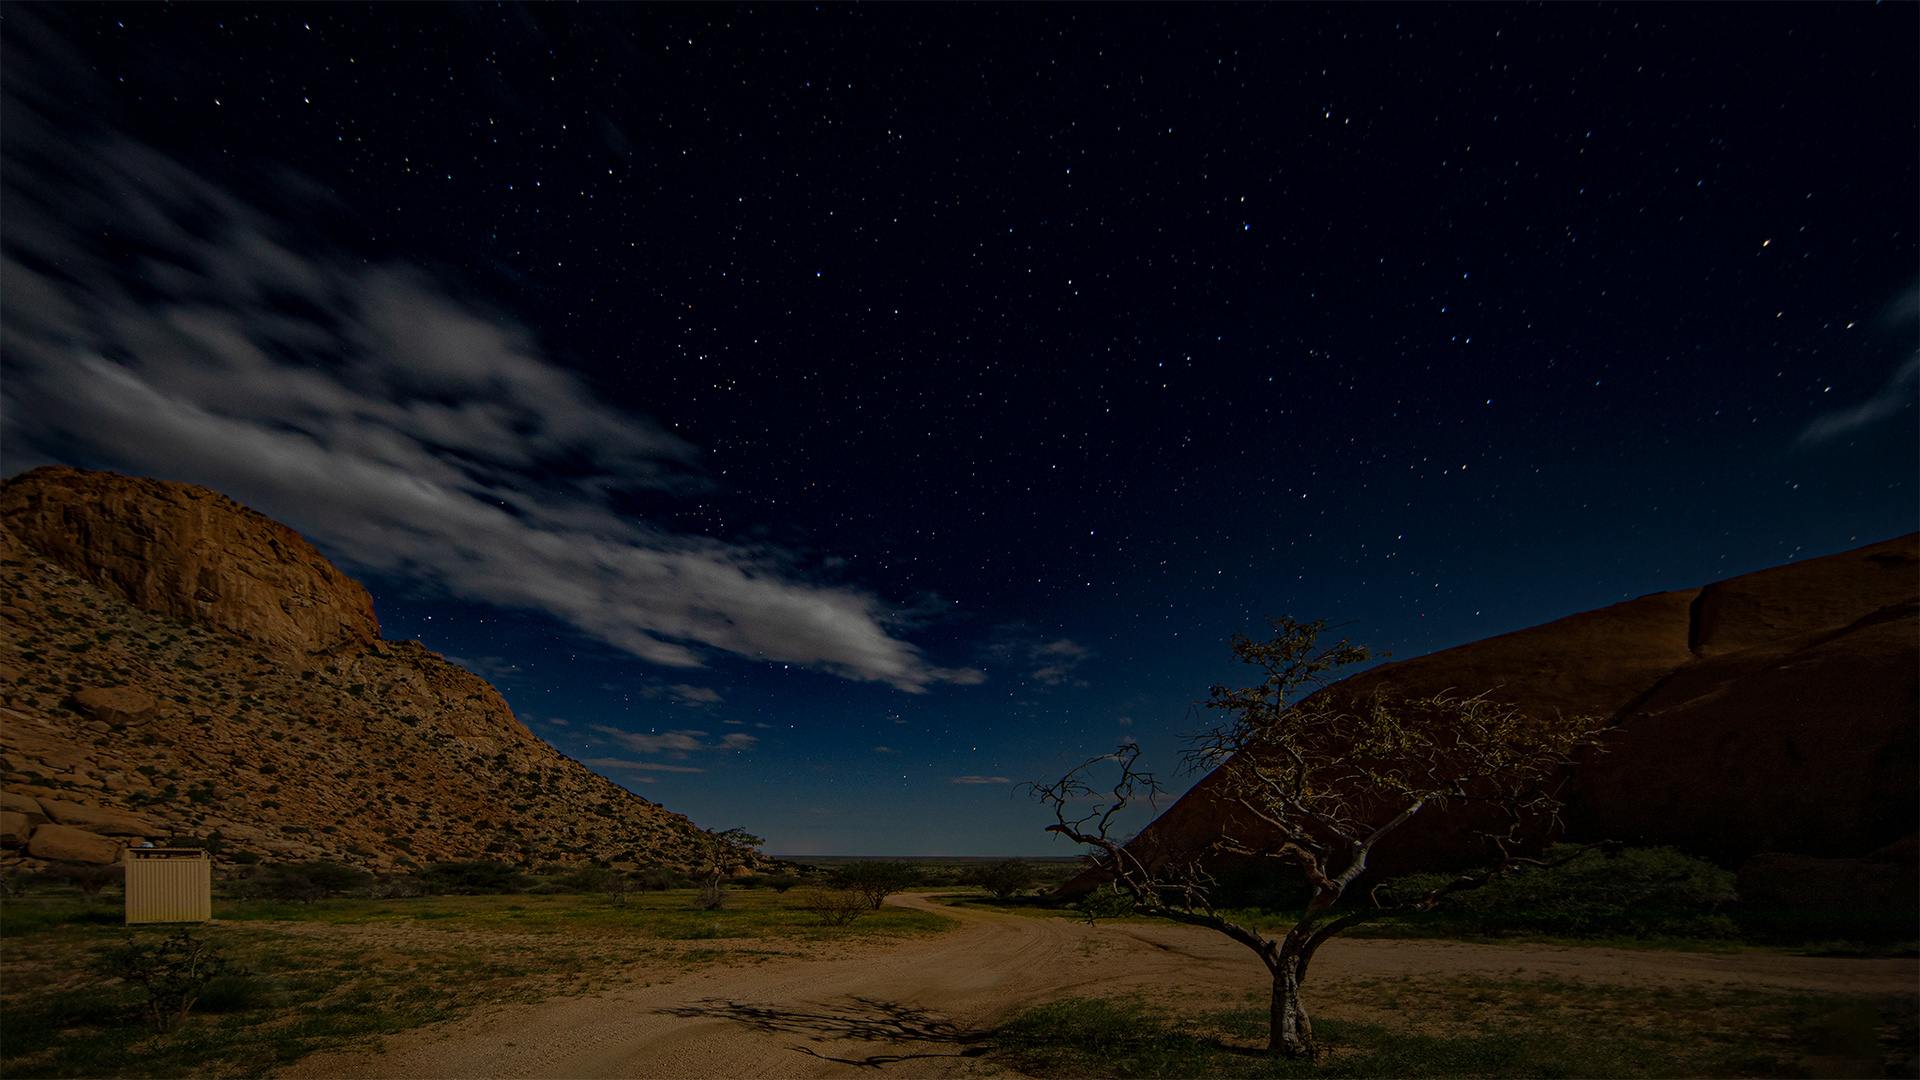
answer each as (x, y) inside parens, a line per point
(99, 821)
(113, 705)
(187, 551)
(15, 829)
(22, 804)
(64, 843)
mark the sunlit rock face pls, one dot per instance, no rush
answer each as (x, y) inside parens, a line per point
(1772, 712)
(187, 551)
(173, 664)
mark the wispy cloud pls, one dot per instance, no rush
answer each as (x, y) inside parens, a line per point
(494, 669)
(694, 695)
(980, 780)
(1048, 661)
(679, 743)
(1897, 318)
(636, 766)
(1896, 395)
(158, 324)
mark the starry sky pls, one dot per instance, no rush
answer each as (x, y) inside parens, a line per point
(823, 419)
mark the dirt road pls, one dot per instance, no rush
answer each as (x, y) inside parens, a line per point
(914, 1009)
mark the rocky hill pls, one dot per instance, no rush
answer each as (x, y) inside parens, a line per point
(174, 664)
(1774, 713)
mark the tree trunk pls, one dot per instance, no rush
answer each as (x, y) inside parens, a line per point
(1289, 1032)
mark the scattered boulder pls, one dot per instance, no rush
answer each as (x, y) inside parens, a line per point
(15, 829)
(98, 821)
(114, 705)
(64, 843)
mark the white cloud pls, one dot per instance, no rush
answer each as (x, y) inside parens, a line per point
(408, 432)
(980, 780)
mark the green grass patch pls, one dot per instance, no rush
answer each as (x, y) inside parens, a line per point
(1483, 1028)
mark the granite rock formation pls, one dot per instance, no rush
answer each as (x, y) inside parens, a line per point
(175, 665)
(1775, 712)
(190, 552)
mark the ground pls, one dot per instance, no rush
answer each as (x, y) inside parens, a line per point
(916, 1008)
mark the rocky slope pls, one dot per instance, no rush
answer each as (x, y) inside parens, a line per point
(1776, 712)
(174, 664)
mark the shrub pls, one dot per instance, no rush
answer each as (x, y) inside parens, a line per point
(86, 877)
(614, 884)
(837, 907)
(875, 879)
(332, 878)
(1002, 879)
(713, 896)
(780, 883)
(658, 878)
(172, 972)
(471, 878)
(1635, 892)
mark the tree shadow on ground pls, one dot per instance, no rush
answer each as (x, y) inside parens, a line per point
(863, 1019)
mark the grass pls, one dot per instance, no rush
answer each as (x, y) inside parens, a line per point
(1476, 1027)
(337, 972)
(1862, 934)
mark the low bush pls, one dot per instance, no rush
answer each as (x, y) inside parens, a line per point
(171, 972)
(836, 907)
(89, 879)
(875, 879)
(659, 879)
(1634, 892)
(1002, 879)
(472, 878)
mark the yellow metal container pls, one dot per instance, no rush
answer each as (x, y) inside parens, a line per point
(169, 885)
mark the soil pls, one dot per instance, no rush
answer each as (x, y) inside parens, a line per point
(917, 1008)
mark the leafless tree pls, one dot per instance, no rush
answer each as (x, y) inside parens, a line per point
(1316, 784)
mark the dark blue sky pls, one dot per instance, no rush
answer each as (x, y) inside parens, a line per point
(821, 420)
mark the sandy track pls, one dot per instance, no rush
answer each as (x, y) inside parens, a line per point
(914, 1009)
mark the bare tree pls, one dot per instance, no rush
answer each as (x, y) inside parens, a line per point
(1317, 784)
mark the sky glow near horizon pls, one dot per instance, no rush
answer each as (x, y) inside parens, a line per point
(824, 422)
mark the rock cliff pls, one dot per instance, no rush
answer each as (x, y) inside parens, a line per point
(1778, 711)
(187, 551)
(173, 664)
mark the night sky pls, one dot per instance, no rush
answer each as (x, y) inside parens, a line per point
(822, 420)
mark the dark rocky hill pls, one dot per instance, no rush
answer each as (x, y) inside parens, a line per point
(174, 664)
(1776, 712)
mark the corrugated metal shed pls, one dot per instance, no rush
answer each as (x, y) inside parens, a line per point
(169, 885)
